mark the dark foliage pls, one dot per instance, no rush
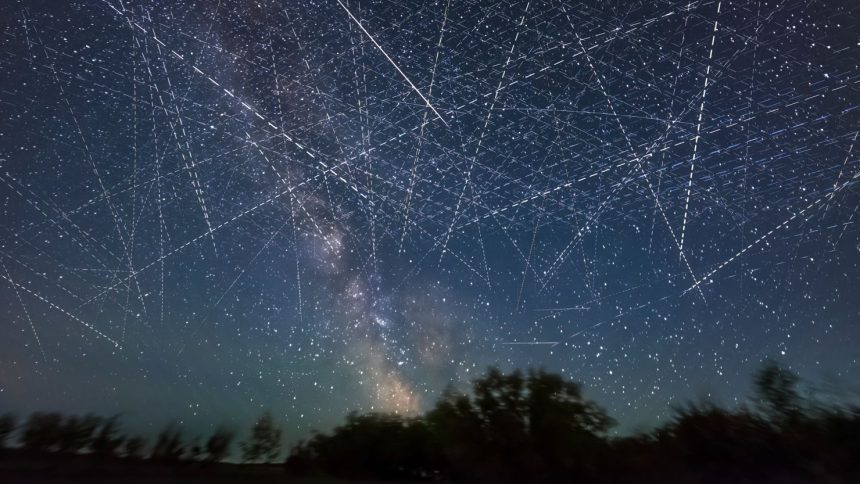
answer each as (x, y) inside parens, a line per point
(777, 395)
(168, 445)
(42, 432)
(539, 428)
(218, 444)
(107, 440)
(194, 450)
(8, 422)
(264, 444)
(370, 446)
(134, 447)
(515, 427)
(76, 433)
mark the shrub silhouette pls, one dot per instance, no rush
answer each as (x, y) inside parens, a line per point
(194, 450)
(133, 448)
(107, 441)
(168, 445)
(8, 423)
(76, 433)
(42, 432)
(302, 459)
(264, 444)
(218, 444)
(776, 394)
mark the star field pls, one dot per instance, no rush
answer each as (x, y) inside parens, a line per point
(209, 208)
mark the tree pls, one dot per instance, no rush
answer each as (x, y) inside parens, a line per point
(501, 405)
(77, 433)
(776, 394)
(8, 423)
(265, 441)
(168, 444)
(42, 431)
(458, 432)
(194, 450)
(714, 439)
(133, 448)
(382, 446)
(218, 444)
(302, 459)
(106, 441)
(554, 404)
(564, 427)
(518, 427)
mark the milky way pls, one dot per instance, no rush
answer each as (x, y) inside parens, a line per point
(211, 208)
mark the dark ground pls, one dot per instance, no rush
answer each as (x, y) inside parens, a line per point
(17, 467)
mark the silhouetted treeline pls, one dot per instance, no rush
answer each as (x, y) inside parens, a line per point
(515, 427)
(537, 427)
(53, 433)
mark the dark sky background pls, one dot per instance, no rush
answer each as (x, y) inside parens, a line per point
(213, 208)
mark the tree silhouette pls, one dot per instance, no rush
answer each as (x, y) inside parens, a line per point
(133, 448)
(458, 431)
(500, 410)
(107, 440)
(777, 395)
(168, 444)
(564, 427)
(42, 432)
(264, 444)
(8, 423)
(218, 444)
(194, 450)
(76, 433)
(514, 428)
(532, 426)
(500, 401)
(710, 439)
(554, 404)
(384, 446)
(302, 459)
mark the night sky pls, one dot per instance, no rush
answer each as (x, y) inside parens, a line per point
(211, 208)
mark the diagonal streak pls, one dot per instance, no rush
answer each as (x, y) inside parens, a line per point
(405, 77)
